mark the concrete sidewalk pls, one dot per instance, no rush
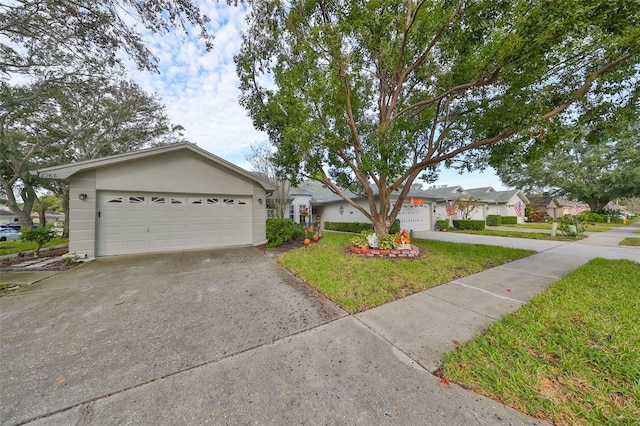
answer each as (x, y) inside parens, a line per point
(424, 325)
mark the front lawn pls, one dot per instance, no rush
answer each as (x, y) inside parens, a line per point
(18, 246)
(357, 284)
(570, 356)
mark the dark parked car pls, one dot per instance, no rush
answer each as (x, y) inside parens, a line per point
(13, 225)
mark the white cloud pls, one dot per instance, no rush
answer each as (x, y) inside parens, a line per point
(200, 90)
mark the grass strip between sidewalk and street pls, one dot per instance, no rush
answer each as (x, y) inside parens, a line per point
(570, 356)
(358, 283)
(520, 234)
(631, 241)
(18, 246)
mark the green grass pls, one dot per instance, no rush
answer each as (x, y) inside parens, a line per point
(357, 284)
(637, 232)
(530, 225)
(600, 227)
(521, 234)
(17, 246)
(630, 242)
(570, 356)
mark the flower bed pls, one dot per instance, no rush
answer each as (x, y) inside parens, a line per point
(370, 252)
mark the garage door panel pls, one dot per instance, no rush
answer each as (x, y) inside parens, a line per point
(138, 223)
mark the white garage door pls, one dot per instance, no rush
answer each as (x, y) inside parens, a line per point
(142, 222)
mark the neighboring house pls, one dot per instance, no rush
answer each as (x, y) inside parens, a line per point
(420, 209)
(7, 216)
(320, 202)
(556, 207)
(50, 217)
(173, 197)
(511, 202)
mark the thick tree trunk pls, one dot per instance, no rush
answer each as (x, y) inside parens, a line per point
(28, 197)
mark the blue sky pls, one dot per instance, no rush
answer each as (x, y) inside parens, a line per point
(200, 90)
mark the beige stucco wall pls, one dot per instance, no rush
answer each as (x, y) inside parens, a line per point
(259, 215)
(82, 214)
(180, 171)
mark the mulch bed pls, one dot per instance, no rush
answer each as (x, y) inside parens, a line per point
(59, 265)
(289, 245)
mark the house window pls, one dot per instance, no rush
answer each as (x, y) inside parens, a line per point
(212, 201)
(158, 200)
(197, 201)
(176, 201)
(115, 200)
(242, 203)
(304, 212)
(227, 201)
(292, 212)
(136, 199)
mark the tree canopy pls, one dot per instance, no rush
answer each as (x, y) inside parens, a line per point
(64, 95)
(370, 95)
(594, 160)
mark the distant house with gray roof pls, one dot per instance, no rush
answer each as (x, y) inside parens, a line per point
(311, 201)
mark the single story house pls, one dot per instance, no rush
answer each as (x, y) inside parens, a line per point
(171, 197)
(7, 216)
(511, 202)
(420, 209)
(556, 207)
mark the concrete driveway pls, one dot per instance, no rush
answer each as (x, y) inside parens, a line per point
(121, 322)
(220, 337)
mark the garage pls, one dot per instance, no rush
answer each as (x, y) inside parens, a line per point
(140, 222)
(174, 197)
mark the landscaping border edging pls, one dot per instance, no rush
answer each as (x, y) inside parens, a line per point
(410, 253)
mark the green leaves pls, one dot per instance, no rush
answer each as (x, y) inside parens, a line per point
(375, 93)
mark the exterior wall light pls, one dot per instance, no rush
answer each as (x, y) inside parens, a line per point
(83, 197)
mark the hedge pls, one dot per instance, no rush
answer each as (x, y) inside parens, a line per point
(509, 220)
(475, 225)
(599, 218)
(355, 227)
(442, 224)
(494, 220)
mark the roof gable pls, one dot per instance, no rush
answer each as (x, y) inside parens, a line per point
(64, 172)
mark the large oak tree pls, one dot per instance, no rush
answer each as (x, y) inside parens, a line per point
(61, 68)
(370, 95)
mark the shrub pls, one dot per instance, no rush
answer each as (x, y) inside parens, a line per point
(598, 218)
(442, 224)
(298, 232)
(571, 225)
(279, 231)
(355, 227)
(395, 227)
(509, 220)
(475, 225)
(388, 242)
(362, 239)
(41, 235)
(494, 220)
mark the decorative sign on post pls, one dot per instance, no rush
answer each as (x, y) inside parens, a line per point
(451, 208)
